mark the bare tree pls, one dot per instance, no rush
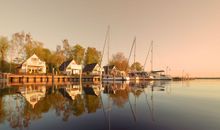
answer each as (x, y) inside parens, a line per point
(4, 46)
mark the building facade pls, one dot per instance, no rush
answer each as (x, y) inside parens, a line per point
(70, 68)
(33, 65)
(92, 69)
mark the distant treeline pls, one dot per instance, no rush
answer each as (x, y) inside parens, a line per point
(208, 78)
(21, 45)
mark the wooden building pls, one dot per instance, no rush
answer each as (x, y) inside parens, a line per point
(92, 69)
(110, 70)
(70, 68)
(33, 65)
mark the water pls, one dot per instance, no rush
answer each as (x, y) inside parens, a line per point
(158, 105)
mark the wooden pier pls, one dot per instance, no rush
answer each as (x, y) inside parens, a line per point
(47, 79)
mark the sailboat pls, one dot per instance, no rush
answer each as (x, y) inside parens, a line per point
(108, 69)
(135, 75)
(156, 74)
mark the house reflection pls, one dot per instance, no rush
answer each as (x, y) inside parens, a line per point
(32, 93)
(80, 100)
(92, 98)
(94, 89)
(31, 102)
(114, 87)
(71, 91)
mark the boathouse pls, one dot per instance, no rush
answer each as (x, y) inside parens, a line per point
(33, 65)
(110, 69)
(70, 68)
(92, 69)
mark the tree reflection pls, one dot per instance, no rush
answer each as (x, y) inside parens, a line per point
(91, 97)
(118, 92)
(2, 111)
(29, 103)
(92, 103)
(78, 106)
(4, 91)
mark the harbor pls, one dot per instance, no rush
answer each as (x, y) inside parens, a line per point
(11, 79)
(147, 103)
(109, 65)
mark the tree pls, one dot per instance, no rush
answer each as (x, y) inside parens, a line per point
(137, 66)
(57, 58)
(92, 56)
(78, 53)
(4, 46)
(66, 49)
(120, 61)
(33, 47)
(18, 41)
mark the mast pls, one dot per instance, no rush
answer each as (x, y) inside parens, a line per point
(135, 53)
(149, 50)
(132, 47)
(105, 42)
(103, 50)
(152, 55)
(108, 47)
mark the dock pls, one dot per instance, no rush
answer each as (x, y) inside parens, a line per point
(16, 79)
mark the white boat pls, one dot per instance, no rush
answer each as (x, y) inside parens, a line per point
(156, 75)
(138, 75)
(159, 75)
(115, 78)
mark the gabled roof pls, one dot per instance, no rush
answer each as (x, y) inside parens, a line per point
(89, 67)
(34, 55)
(108, 67)
(64, 65)
(89, 91)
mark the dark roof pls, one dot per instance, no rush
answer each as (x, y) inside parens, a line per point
(110, 67)
(64, 65)
(158, 71)
(89, 91)
(89, 67)
(64, 93)
(18, 66)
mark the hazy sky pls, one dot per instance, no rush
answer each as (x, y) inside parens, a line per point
(186, 33)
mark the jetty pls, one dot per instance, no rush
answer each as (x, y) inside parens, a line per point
(17, 79)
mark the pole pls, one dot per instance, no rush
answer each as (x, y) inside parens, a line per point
(80, 78)
(135, 54)
(152, 56)
(53, 75)
(131, 52)
(147, 56)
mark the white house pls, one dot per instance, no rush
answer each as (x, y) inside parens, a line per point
(70, 67)
(32, 65)
(93, 69)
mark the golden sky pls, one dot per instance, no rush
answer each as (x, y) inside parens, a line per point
(186, 33)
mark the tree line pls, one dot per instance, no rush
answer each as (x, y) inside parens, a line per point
(21, 45)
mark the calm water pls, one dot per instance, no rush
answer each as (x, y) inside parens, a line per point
(160, 105)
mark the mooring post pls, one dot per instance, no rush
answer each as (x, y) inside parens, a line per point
(80, 77)
(53, 75)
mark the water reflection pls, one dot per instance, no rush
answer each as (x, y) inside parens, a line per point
(33, 94)
(30, 102)
(118, 105)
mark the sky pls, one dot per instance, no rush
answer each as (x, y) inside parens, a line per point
(186, 33)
